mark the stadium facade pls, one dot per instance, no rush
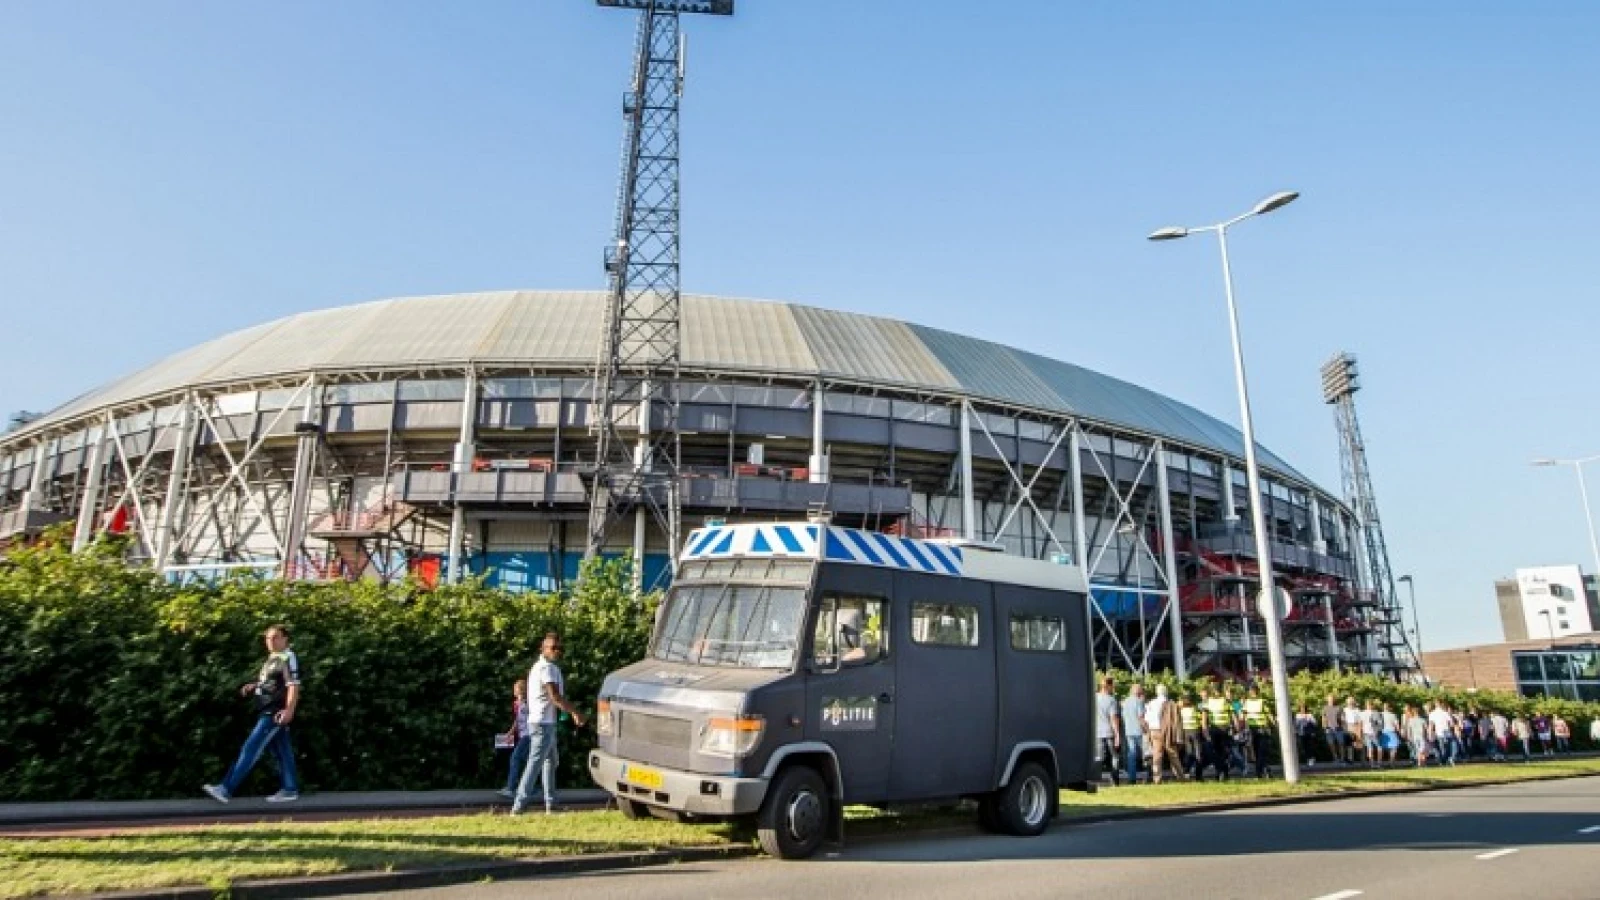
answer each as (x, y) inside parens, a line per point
(403, 435)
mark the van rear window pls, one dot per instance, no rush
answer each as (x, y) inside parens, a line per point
(1047, 634)
(944, 624)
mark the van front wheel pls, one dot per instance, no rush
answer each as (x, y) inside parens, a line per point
(1028, 801)
(793, 820)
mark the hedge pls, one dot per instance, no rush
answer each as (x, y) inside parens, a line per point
(117, 685)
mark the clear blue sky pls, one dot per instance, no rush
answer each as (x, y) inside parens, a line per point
(171, 171)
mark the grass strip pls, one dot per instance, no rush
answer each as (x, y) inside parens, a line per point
(219, 855)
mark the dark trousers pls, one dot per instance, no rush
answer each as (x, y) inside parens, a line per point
(519, 759)
(266, 735)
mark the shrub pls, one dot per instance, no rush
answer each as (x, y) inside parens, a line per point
(115, 684)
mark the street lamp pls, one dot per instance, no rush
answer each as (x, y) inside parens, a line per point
(1268, 607)
(1549, 625)
(1583, 491)
(1416, 627)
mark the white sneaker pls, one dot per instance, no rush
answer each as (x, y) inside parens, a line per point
(216, 792)
(283, 797)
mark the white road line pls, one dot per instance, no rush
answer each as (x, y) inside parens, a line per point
(1496, 854)
(1590, 830)
(1342, 895)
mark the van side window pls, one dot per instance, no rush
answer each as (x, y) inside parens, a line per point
(1047, 634)
(850, 631)
(944, 624)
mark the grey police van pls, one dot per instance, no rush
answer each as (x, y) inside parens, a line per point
(798, 668)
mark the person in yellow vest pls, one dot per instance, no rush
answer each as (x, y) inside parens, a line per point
(1259, 718)
(1193, 735)
(1220, 710)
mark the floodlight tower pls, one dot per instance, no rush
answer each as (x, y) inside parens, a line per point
(636, 372)
(1340, 381)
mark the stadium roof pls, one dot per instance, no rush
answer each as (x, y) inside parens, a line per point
(560, 328)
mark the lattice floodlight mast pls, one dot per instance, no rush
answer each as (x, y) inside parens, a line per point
(1340, 381)
(636, 373)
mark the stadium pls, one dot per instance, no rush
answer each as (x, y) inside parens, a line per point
(385, 439)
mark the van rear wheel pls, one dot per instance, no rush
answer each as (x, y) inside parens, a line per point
(1026, 804)
(793, 820)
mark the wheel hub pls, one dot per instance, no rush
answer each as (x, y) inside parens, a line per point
(804, 815)
(1032, 801)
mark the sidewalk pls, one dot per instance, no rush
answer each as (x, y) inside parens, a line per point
(15, 816)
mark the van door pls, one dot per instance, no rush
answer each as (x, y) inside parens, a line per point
(851, 686)
(945, 697)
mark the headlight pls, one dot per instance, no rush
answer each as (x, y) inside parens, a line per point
(602, 718)
(731, 737)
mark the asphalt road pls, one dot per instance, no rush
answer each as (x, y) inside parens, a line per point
(1538, 840)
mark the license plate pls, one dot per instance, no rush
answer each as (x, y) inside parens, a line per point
(643, 777)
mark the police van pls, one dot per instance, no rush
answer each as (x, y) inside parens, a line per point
(798, 668)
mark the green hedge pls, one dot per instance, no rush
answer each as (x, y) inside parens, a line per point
(115, 685)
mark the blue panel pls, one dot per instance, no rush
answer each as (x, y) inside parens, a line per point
(887, 545)
(864, 544)
(922, 561)
(726, 544)
(760, 544)
(787, 538)
(836, 550)
(704, 541)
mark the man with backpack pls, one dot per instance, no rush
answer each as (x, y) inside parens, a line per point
(275, 694)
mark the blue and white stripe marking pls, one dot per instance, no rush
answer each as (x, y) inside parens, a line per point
(846, 545)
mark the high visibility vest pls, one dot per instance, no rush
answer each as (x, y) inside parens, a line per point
(1255, 713)
(1221, 714)
(1190, 717)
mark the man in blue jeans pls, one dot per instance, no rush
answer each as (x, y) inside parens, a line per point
(1133, 731)
(276, 694)
(546, 688)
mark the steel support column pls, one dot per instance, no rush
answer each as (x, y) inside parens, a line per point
(969, 512)
(1319, 544)
(1169, 560)
(460, 466)
(1230, 511)
(89, 502)
(305, 457)
(177, 482)
(34, 498)
(818, 468)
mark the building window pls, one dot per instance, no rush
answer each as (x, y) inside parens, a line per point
(1041, 633)
(944, 624)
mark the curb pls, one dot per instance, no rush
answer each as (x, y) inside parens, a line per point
(411, 879)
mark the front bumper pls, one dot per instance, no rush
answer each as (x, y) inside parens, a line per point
(691, 792)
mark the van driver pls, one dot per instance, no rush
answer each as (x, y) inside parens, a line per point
(855, 645)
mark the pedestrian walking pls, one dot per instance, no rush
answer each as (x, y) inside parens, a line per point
(517, 735)
(1500, 729)
(275, 695)
(1305, 735)
(1189, 716)
(1164, 723)
(1563, 734)
(1108, 729)
(1133, 731)
(1372, 733)
(1416, 732)
(1523, 732)
(1261, 724)
(1541, 730)
(1444, 732)
(1594, 731)
(546, 694)
(1333, 729)
(1353, 719)
(1389, 737)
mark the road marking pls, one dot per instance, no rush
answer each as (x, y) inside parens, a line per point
(1590, 830)
(1342, 895)
(1496, 854)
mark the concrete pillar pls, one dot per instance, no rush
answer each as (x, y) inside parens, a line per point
(1229, 513)
(34, 497)
(1333, 636)
(1319, 543)
(89, 502)
(969, 511)
(460, 466)
(177, 484)
(818, 464)
(1169, 560)
(305, 459)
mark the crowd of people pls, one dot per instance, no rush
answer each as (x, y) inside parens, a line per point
(1229, 733)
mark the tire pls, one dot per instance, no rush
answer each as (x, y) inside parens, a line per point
(793, 820)
(1027, 803)
(632, 810)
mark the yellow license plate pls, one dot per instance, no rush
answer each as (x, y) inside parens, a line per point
(643, 777)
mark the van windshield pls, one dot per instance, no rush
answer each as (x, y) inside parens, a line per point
(752, 626)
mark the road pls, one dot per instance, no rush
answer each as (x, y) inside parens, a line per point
(1531, 840)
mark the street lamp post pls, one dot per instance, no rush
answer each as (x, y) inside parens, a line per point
(1583, 491)
(1269, 600)
(1549, 626)
(1416, 627)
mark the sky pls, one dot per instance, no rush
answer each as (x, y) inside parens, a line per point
(173, 171)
